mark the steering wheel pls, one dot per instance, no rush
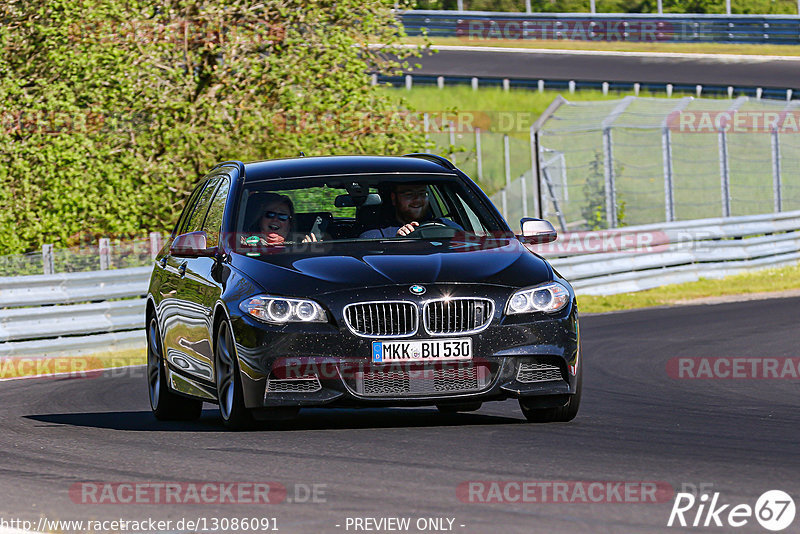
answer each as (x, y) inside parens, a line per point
(433, 230)
(429, 224)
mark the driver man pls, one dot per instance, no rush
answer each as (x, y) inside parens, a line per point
(411, 206)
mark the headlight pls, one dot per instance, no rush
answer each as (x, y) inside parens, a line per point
(280, 310)
(549, 297)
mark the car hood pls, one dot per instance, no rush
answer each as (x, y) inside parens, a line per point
(306, 270)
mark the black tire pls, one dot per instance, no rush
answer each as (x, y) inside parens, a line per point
(166, 405)
(552, 415)
(229, 382)
(455, 408)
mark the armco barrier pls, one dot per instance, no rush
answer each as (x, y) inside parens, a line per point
(675, 252)
(678, 252)
(66, 288)
(631, 27)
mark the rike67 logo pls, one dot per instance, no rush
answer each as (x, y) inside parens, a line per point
(774, 510)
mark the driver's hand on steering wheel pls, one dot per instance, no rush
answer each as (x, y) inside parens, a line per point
(407, 229)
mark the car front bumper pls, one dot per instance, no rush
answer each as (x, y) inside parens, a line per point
(325, 365)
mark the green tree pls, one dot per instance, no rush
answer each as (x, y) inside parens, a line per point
(115, 108)
(594, 193)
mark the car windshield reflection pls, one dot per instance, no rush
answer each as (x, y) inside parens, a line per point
(293, 211)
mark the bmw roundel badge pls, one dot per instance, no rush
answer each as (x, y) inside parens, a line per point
(417, 289)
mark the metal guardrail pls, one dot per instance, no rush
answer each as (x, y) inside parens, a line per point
(74, 346)
(68, 288)
(16, 324)
(677, 252)
(631, 27)
(50, 315)
(635, 258)
(540, 84)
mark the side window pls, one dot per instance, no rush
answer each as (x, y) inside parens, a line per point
(438, 205)
(459, 210)
(214, 218)
(195, 222)
(187, 209)
(474, 221)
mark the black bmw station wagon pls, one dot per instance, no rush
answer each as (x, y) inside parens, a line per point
(355, 281)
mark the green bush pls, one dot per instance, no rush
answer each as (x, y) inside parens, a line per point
(115, 108)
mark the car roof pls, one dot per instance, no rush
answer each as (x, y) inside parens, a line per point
(341, 165)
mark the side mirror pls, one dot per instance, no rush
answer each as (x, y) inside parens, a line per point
(537, 231)
(192, 245)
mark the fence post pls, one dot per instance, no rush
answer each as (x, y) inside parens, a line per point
(528, 6)
(409, 82)
(156, 243)
(507, 161)
(724, 173)
(478, 153)
(776, 170)
(48, 265)
(593, 10)
(608, 171)
(452, 127)
(104, 248)
(666, 156)
(426, 127)
(537, 188)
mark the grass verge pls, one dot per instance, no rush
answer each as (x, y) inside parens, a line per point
(511, 111)
(70, 366)
(762, 281)
(617, 46)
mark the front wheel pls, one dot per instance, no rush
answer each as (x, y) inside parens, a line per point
(166, 405)
(562, 414)
(229, 382)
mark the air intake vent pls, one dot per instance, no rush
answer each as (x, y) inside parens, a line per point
(538, 372)
(305, 384)
(422, 381)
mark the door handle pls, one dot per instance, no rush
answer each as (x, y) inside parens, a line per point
(182, 269)
(163, 262)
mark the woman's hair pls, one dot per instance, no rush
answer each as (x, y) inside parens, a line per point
(273, 198)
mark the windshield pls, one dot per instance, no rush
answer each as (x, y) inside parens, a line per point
(276, 212)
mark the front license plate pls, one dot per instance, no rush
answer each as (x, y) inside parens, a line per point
(424, 350)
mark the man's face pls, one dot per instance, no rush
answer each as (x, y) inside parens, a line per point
(410, 202)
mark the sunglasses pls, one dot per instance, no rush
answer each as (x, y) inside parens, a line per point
(280, 216)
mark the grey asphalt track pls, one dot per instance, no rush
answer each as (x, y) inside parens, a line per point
(751, 71)
(635, 424)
